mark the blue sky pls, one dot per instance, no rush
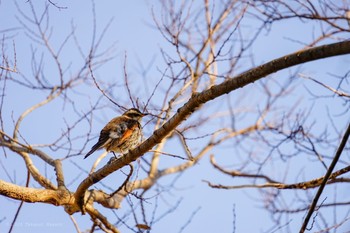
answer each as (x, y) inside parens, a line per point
(135, 35)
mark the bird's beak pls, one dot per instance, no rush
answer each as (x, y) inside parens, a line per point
(145, 114)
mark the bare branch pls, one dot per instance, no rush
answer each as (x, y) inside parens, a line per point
(95, 214)
(20, 205)
(100, 89)
(276, 184)
(325, 179)
(210, 94)
(263, 131)
(240, 174)
(54, 94)
(337, 92)
(97, 161)
(59, 174)
(55, 197)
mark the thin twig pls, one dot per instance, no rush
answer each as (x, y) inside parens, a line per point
(20, 205)
(97, 162)
(75, 224)
(184, 144)
(126, 82)
(125, 181)
(337, 92)
(100, 89)
(54, 94)
(274, 184)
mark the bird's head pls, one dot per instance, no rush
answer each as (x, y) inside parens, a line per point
(134, 113)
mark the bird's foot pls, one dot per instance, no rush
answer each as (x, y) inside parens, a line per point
(111, 160)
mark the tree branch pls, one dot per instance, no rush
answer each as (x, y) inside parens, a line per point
(95, 214)
(55, 197)
(325, 179)
(199, 99)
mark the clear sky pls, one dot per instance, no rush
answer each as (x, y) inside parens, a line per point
(133, 31)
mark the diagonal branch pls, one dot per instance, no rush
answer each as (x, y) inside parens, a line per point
(199, 99)
(20, 205)
(325, 179)
(48, 99)
(95, 214)
(335, 91)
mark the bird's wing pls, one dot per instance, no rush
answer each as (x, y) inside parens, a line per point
(121, 132)
(102, 140)
(114, 133)
(110, 132)
(131, 125)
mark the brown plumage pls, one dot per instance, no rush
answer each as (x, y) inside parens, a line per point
(120, 134)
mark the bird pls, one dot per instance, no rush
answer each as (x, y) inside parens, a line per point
(121, 134)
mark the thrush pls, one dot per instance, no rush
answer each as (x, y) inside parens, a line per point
(121, 134)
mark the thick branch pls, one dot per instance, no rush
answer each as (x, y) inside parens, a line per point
(197, 100)
(55, 197)
(59, 197)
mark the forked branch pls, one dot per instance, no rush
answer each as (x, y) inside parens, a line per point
(199, 99)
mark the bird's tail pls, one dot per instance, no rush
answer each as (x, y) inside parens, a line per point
(102, 141)
(93, 149)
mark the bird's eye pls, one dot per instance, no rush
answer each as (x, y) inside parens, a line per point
(134, 115)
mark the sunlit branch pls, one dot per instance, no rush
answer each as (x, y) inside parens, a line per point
(20, 205)
(215, 91)
(55, 197)
(95, 214)
(275, 184)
